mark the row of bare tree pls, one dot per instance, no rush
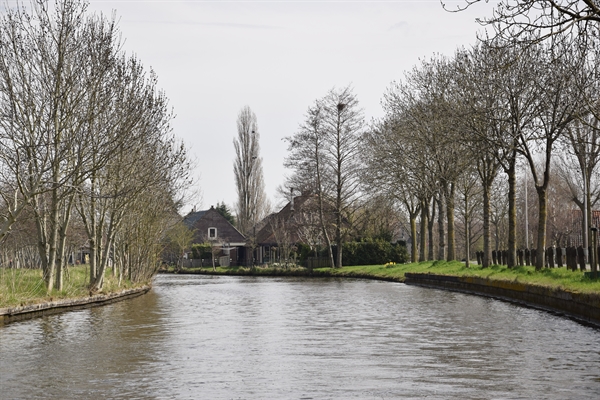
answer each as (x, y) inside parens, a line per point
(479, 112)
(453, 127)
(85, 144)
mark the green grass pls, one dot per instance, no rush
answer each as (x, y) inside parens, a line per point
(258, 270)
(574, 281)
(26, 286)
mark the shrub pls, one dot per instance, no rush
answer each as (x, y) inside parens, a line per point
(201, 250)
(303, 252)
(373, 253)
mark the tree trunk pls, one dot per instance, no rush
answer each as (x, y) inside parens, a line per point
(40, 225)
(338, 240)
(52, 249)
(321, 205)
(541, 240)
(8, 222)
(486, 225)
(590, 219)
(91, 229)
(338, 208)
(61, 262)
(413, 236)
(497, 237)
(62, 242)
(450, 218)
(441, 230)
(512, 212)
(430, 224)
(324, 229)
(467, 233)
(103, 259)
(423, 244)
(47, 239)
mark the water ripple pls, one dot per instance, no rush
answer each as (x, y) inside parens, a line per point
(255, 338)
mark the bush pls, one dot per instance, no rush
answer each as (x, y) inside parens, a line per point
(200, 251)
(376, 252)
(303, 252)
(399, 254)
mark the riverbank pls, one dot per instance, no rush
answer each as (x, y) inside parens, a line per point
(11, 314)
(572, 293)
(23, 293)
(558, 278)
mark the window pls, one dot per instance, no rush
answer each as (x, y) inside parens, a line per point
(212, 233)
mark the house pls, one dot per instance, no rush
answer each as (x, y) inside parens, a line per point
(297, 222)
(210, 226)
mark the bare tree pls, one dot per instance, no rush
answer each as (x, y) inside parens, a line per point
(561, 224)
(282, 232)
(178, 239)
(558, 107)
(147, 157)
(578, 171)
(54, 61)
(310, 230)
(481, 110)
(81, 127)
(307, 158)
(535, 20)
(510, 74)
(343, 126)
(396, 167)
(582, 139)
(377, 218)
(252, 204)
(470, 192)
(216, 248)
(499, 214)
(137, 246)
(325, 156)
(424, 101)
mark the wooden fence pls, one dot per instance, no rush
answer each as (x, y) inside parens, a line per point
(570, 257)
(318, 262)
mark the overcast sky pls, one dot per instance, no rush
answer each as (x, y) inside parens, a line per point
(214, 57)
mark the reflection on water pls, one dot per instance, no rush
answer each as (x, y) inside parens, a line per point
(243, 337)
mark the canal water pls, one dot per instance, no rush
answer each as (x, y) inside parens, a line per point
(202, 337)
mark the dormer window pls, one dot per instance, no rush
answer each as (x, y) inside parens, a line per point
(212, 233)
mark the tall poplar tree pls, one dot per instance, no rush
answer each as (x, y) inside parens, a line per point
(251, 204)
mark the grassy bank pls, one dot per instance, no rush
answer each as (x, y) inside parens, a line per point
(19, 287)
(574, 281)
(260, 271)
